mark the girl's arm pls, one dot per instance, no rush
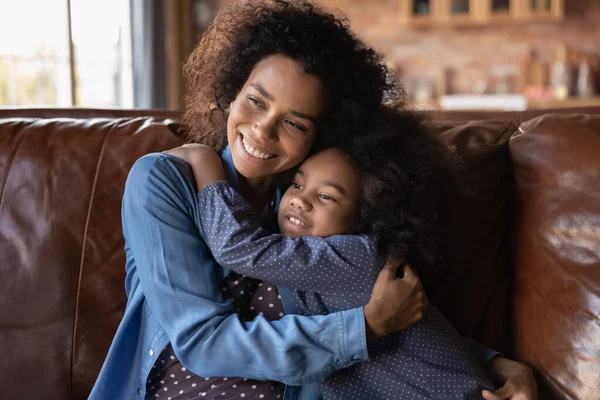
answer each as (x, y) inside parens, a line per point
(181, 284)
(341, 263)
(239, 243)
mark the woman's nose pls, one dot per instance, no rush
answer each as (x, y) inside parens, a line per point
(265, 128)
(298, 202)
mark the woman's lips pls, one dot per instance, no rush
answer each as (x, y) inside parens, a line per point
(253, 150)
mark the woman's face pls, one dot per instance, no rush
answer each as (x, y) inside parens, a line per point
(272, 122)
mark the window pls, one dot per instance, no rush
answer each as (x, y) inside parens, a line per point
(421, 7)
(43, 62)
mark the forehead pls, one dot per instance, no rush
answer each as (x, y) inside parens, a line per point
(330, 165)
(284, 79)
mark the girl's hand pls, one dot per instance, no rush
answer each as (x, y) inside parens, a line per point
(517, 379)
(396, 303)
(205, 162)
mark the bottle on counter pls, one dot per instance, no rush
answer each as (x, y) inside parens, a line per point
(585, 80)
(560, 77)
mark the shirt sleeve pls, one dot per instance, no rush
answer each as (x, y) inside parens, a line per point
(481, 354)
(180, 282)
(340, 263)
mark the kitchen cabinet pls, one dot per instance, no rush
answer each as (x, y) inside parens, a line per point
(478, 12)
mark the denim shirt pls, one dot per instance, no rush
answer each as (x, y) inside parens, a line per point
(173, 288)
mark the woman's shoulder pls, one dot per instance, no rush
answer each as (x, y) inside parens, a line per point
(162, 172)
(154, 163)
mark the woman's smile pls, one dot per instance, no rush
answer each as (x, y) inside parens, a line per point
(254, 150)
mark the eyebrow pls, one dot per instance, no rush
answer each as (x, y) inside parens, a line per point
(262, 91)
(339, 188)
(298, 114)
(336, 186)
(304, 116)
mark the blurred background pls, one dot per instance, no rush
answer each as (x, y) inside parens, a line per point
(450, 54)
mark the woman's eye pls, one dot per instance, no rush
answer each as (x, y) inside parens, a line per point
(296, 186)
(325, 197)
(254, 101)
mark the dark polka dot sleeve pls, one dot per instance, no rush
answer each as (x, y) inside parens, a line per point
(343, 263)
(428, 360)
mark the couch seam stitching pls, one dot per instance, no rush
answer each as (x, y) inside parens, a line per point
(85, 232)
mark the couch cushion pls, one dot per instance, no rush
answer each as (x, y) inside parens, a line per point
(557, 288)
(61, 247)
(470, 283)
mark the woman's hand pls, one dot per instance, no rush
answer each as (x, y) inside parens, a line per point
(204, 160)
(517, 380)
(396, 303)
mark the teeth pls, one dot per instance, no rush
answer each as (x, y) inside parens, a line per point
(253, 152)
(296, 221)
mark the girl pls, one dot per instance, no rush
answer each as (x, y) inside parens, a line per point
(388, 200)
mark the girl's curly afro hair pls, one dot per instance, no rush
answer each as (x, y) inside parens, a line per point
(248, 32)
(406, 175)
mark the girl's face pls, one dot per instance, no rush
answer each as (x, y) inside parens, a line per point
(272, 122)
(323, 199)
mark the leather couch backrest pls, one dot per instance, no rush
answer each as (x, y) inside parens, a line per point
(471, 281)
(61, 247)
(62, 259)
(557, 253)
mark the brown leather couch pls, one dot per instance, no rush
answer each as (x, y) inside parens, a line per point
(520, 270)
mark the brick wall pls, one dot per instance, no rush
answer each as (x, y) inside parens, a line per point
(472, 51)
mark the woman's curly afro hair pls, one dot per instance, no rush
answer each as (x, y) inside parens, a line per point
(406, 175)
(250, 31)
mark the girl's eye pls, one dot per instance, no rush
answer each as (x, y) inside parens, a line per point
(325, 197)
(295, 125)
(296, 186)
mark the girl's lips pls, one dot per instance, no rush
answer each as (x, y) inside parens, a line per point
(290, 215)
(289, 219)
(292, 227)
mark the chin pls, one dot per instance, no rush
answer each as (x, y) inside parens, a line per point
(249, 171)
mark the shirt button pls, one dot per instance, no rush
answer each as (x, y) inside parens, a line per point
(139, 391)
(151, 353)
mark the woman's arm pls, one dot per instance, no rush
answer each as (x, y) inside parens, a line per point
(180, 282)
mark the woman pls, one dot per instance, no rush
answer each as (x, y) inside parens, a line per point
(299, 65)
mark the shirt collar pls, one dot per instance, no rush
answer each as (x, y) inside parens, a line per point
(231, 173)
(233, 178)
